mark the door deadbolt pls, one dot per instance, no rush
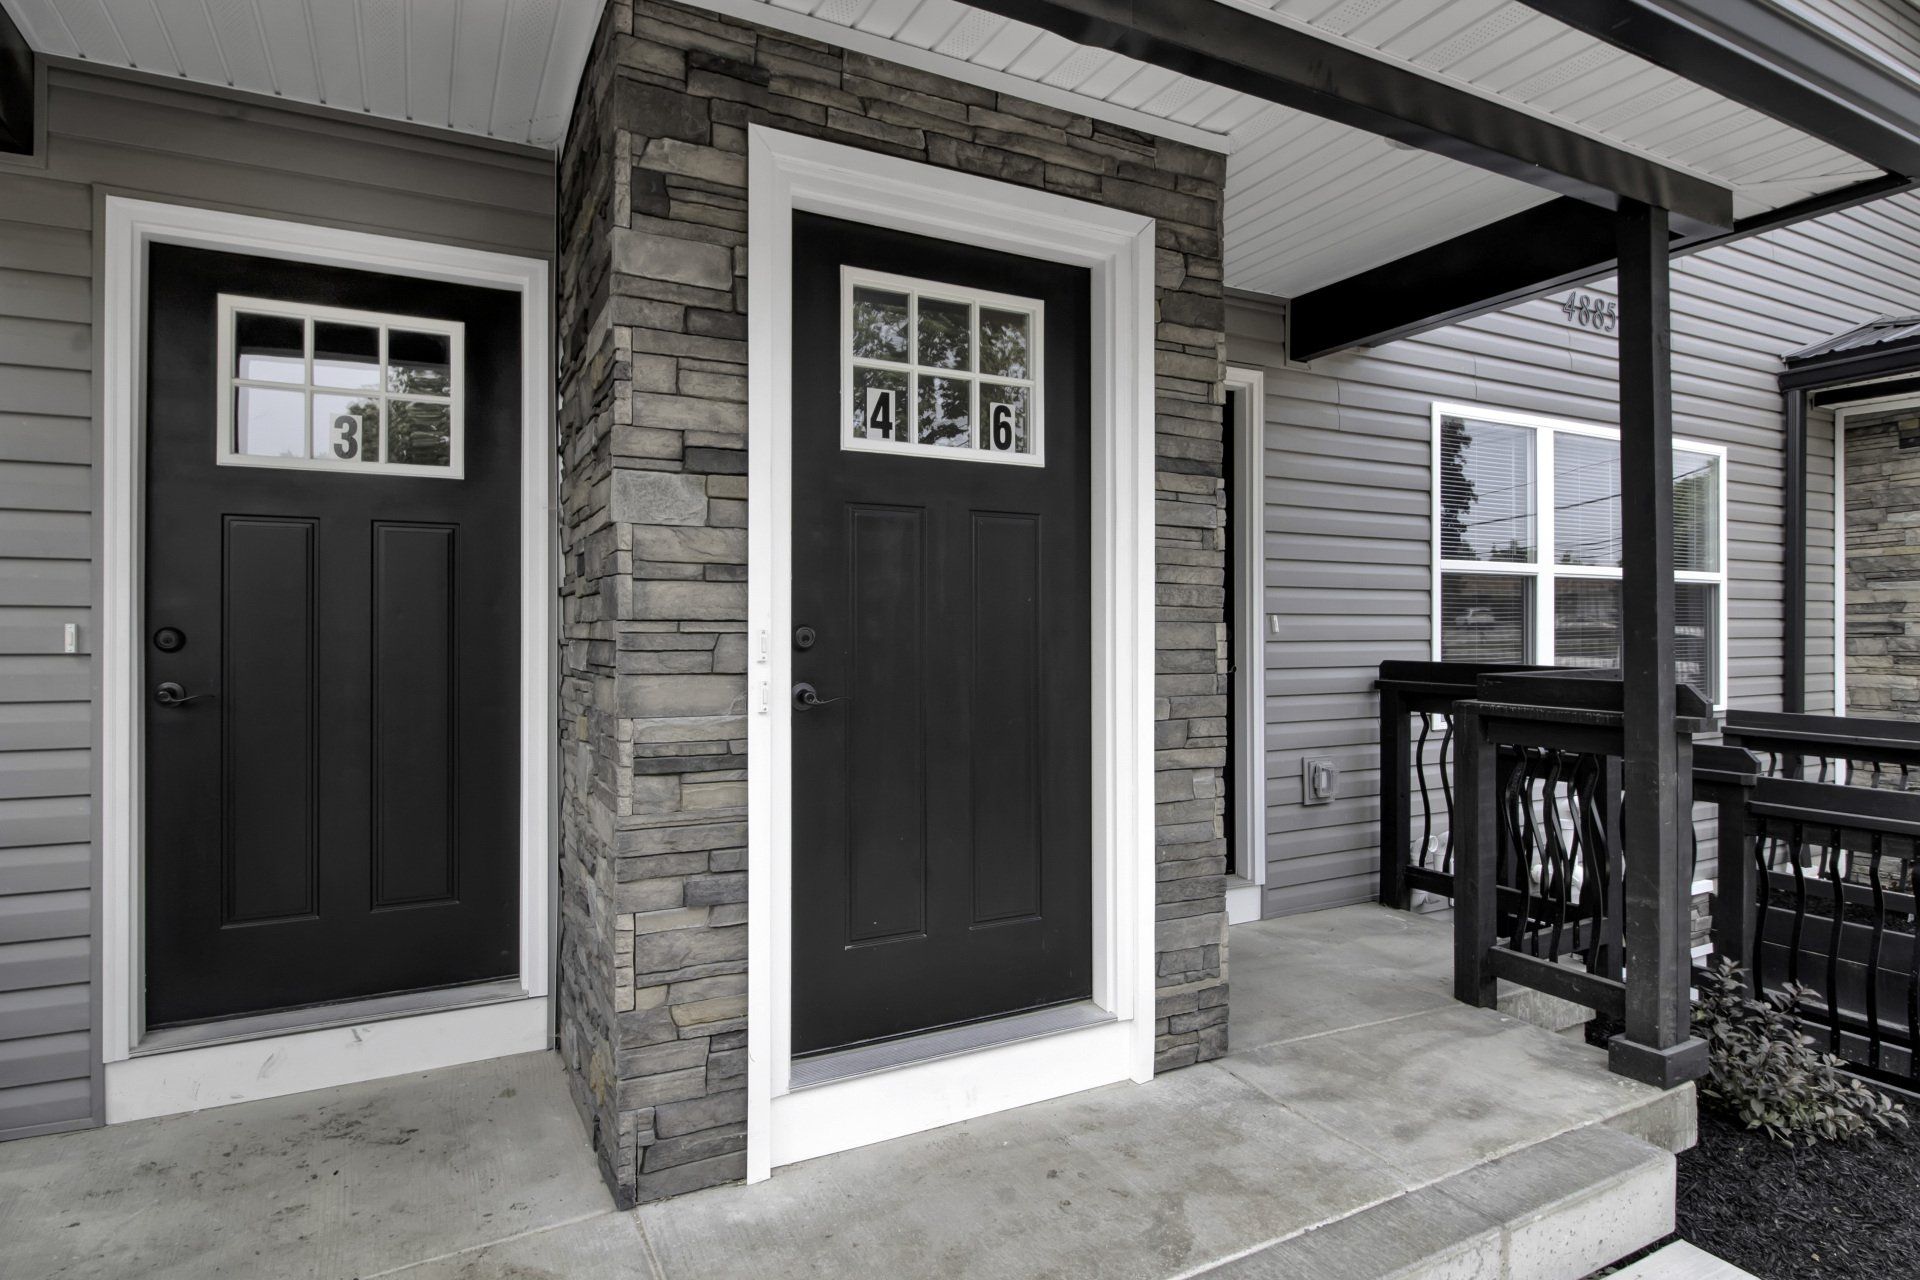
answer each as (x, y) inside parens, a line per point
(803, 637)
(169, 639)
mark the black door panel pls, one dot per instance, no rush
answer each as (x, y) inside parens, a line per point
(335, 814)
(942, 787)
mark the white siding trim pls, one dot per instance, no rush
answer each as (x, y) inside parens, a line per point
(1247, 561)
(130, 225)
(788, 173)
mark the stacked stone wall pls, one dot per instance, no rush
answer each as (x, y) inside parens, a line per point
(1883, 569)
(653, 497)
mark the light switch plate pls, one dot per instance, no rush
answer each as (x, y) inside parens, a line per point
(1319, 780)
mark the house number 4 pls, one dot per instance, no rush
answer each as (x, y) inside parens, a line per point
(1593, 313)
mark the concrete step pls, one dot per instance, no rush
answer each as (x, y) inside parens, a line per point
(1557, 1210)
(1681, 1261)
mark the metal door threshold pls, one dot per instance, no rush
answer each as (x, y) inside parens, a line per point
(405, 1004)
(867, 1059)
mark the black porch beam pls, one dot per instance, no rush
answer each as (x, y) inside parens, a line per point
(1759, 55)
(1238, 49)
(16, 89)
(1549, 247)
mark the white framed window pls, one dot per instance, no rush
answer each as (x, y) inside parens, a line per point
(935, 370)
(1527, 541)
(319, 388)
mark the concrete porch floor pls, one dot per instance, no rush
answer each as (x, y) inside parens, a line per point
(1364, 1124)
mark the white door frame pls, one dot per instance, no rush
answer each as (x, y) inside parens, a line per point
(1247, 562)
(140, 1081)
(788, 173)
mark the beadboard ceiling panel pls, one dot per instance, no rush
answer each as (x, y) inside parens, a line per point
(1308, 201)
(505, 69)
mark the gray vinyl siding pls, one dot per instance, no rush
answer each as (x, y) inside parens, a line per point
(148, 138)
(1890, 28)
(1348, 498)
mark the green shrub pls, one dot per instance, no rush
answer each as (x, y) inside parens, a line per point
(1766, 1072)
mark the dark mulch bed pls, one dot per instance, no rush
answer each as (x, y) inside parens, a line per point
(1835, 1211)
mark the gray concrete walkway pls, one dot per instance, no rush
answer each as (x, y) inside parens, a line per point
(1359, 1100)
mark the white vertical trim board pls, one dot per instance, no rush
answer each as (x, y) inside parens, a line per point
(324, 1057)
(787, 173)
(1247, 562)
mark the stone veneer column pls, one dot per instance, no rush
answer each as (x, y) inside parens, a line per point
(1883, 570)
(652, 332)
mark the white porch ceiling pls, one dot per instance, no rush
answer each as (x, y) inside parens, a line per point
(503, 69)
(1308, 201)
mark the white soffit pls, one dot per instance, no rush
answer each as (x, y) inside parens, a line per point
(1308, 201)
(1503, 49)
(504, 69)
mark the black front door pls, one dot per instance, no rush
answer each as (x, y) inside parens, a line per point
(942, 794)
(331, 635)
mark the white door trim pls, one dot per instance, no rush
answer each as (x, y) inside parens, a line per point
(130, 226)
(788, 173)
(1247, 562)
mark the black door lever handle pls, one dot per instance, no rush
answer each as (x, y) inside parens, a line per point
(170, 694)
(806, 697)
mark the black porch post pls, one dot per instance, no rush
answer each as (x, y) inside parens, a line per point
(1793, 563)
(1654, 1047)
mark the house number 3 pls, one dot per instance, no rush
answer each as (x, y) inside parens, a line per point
(1591, 312)
(346, 437)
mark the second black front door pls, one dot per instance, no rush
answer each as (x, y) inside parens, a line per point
(942, 737)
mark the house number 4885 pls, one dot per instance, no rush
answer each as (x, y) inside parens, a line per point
(1594, 313)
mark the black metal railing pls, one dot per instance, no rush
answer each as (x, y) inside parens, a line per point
(1818, 903)
(1416, 773)
(1817, 821)
(1853, 751)
(1543, 870)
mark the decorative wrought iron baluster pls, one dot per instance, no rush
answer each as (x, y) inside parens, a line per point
(1446, 791)
(1591, 849)
(1426, 800)
(1913, 972)
(1830, 864)
(1765, 845)
(1519, 809)
(1555, 858)
(1797, 849)
(1875, 1046)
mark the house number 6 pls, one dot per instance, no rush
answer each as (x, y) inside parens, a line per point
(1000, 428)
